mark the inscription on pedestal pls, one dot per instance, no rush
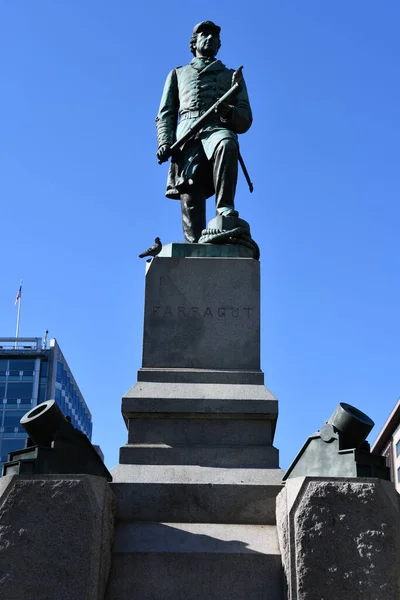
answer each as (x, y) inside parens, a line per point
(220, 312)
(202, 313)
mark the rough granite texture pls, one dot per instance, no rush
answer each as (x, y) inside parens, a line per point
(56, 534)
(340, 538)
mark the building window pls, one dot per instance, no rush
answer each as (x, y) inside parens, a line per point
(398, 448)
(26, 404)
(19, 390)
(44, 368)
(26, 365)
(11, 403)
(59, 373)
(42, 392)
(12, 421)
(3, 368)
(398, 475)
(10, 446)
(14, 375)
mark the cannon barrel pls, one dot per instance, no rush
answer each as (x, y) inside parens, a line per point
(43, 421)
(353, 425)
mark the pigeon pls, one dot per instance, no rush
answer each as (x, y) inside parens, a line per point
(153, 250)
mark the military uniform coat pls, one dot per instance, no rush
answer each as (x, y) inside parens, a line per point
(188, 92)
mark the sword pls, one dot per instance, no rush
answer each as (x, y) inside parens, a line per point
(246, 174)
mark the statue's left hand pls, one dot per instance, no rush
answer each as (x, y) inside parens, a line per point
(223, 110)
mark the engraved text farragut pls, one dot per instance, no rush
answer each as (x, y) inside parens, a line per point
(242, 312)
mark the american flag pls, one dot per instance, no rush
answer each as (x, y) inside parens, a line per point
(18, 296)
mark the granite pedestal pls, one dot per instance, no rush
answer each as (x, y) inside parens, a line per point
(198, 478)
(202, 314)
(340, 538)
(56, 533)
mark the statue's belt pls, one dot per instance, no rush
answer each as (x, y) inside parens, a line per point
(192, 114)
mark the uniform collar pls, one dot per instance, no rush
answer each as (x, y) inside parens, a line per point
(206, 64)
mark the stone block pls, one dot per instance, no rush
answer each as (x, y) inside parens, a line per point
(208, 376)
(202, 313)
(196, 537)
(196, 494)
(182, 250)
(56, 534)
(217, 425)
(340, 538)
(207, 430)
(261, 457)
(197, 398)
(195, 562)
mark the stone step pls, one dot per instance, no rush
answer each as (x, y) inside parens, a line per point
(230, 377)
(205, 456)
(213, 538)
(201, 431)
(204, 409)
(196, 561)
(208, 398)
(193, 494)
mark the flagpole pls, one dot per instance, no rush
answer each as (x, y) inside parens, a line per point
(19, 298)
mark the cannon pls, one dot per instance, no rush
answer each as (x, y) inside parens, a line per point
(340, 449)
(54, 446)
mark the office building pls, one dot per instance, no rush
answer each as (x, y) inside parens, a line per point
(31, 373)
(388, 444)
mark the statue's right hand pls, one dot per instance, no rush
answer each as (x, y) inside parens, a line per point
(163, 153)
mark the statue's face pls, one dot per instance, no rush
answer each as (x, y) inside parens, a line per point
(207, 44)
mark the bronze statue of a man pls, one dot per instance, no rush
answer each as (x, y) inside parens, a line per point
(207, 164)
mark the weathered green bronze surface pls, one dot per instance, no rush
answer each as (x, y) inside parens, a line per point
(208, 163)
(340, 449)
(54, 446)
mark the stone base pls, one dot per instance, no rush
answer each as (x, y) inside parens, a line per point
(197, 481)
(174, 561)
(340, 538)
(196, 489)
(196, 494)
(56, 533)
(200, 424)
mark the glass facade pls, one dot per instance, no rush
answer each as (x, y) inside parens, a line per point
(29, 379)
(70, 400)
(17, 396)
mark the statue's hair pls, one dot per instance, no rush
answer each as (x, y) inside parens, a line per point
(193, 40)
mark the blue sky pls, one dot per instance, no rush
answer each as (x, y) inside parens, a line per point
(82, 194)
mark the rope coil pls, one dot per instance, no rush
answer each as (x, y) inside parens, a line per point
(238, 236)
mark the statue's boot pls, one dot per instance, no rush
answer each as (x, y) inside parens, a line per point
(193, 208)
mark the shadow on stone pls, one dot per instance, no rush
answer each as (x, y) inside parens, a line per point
(181, 560)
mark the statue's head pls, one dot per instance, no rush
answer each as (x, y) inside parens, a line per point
(205, 40)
